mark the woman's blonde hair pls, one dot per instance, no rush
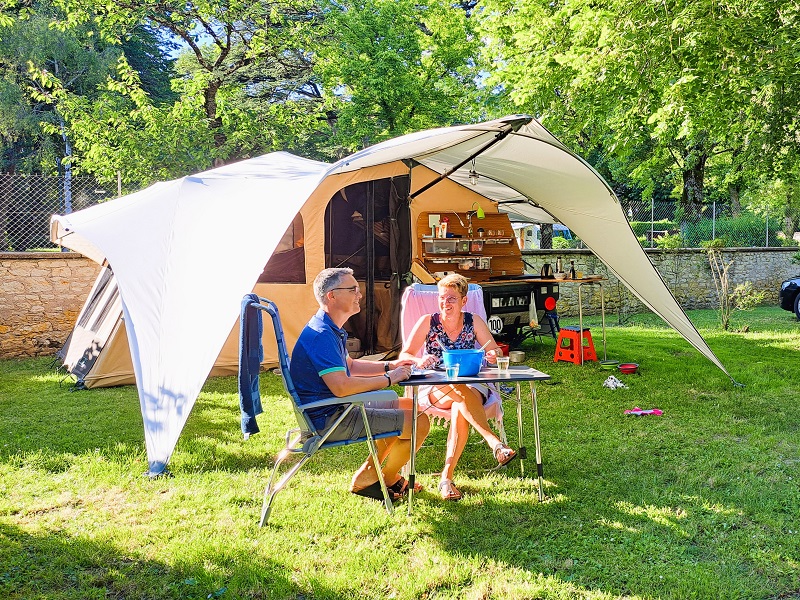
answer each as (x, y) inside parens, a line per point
(455, 281)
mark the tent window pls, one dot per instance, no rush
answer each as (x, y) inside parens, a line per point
(347, 222)
(288, 262)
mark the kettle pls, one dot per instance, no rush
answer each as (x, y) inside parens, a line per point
(547, 270)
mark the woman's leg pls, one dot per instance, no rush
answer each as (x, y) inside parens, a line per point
(471, 407)
(456, 440)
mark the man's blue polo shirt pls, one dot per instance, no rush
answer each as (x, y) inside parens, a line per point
(320, 349)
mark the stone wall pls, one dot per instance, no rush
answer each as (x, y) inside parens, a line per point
(685, 271)
(41, 294)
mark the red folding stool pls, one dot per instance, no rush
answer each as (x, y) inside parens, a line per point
(574, 345)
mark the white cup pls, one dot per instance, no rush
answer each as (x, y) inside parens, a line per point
(451, 371)
(502, 363)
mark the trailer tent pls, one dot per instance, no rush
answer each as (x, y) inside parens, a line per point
(184, 252)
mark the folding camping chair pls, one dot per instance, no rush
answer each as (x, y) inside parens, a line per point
(306, 440)
(420, 299)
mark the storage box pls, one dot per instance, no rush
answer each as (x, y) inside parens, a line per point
(353, 344)
(462, 246)
(440, 245)
(476, 246)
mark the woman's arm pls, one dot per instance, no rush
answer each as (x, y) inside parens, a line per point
(415, 341)
(483, 335)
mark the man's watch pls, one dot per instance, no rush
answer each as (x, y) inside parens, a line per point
(386, 367)
(389, 379)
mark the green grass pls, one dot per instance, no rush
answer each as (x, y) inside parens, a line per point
(702, 502)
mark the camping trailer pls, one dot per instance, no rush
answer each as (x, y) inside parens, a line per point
(332, 230)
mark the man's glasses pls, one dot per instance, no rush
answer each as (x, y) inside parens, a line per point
(449, 299)
(353, 289)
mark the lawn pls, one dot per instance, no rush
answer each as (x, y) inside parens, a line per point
(701, 502)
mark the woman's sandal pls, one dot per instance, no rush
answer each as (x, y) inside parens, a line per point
(503, 454)
(448, 490)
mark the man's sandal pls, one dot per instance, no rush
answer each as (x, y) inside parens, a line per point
(448, 490)
(503, 454)
(400, 487)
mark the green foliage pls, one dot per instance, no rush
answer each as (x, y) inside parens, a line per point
(744, 231)
(677, 90)
(560, 242)
(669, 241)
(29, 45)
(697, 503)
(390, 68)
(641, 228)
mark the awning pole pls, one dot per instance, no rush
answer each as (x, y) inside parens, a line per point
(500, 135)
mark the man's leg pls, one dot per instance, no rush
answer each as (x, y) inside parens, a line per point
(393, 452)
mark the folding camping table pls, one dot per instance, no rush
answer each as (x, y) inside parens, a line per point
(515, 374)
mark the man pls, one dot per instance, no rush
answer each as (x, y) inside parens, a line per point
(322, 368)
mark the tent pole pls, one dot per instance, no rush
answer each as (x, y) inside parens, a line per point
(498, 137)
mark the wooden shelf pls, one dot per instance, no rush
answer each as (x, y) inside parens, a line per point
(500, 246)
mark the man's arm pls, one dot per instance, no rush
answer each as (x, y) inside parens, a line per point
(342, 385)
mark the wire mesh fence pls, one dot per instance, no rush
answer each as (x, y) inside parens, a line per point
(28, 201)
(658, 224)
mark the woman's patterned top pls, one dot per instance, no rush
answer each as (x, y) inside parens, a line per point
(437, 340)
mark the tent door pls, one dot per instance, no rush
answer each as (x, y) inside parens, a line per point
(368, 228)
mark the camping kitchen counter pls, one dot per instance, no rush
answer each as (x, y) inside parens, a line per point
(485, 251)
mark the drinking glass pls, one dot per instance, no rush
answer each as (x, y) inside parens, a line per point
(502, 363)
(452, 371)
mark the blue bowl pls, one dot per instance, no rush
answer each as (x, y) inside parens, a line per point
(469, 361)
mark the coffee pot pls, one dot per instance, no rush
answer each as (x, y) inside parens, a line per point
(547, 270)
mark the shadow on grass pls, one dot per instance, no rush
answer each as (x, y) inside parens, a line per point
(55, 565)
(697, 503)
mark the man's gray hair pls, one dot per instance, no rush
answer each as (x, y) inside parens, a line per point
(327, 280)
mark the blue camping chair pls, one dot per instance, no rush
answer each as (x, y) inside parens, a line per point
(306, 440)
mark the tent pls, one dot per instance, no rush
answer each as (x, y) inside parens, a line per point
(184, 252)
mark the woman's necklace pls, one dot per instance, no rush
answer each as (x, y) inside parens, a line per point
(451, 332)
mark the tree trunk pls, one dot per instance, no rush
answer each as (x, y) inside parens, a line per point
(692, 193)
(736, 205)
(791, 221)
(214, 121)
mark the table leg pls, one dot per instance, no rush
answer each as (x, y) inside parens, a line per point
(412, 469)
(580, 322)
(539, 468)
(523, 453)
(603, 316)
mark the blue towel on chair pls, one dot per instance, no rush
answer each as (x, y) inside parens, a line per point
(251, 353)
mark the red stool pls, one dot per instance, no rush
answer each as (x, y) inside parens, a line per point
(568, 342)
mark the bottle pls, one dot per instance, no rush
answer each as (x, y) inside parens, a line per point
(572, 274)
(559, 266)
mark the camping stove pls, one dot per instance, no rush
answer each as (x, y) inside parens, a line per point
(512, 305)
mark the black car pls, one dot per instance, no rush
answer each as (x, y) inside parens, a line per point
(790, 295)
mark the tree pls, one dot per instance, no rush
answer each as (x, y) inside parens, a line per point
(684, 79)
(391, 67)
(223, 38)
(29, 44)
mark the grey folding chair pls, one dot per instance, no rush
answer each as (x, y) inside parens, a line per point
(306, 440)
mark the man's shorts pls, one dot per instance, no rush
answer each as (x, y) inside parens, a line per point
(383, 417)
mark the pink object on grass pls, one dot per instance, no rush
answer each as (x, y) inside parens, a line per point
(639, 412)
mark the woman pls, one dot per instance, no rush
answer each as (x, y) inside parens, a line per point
(449, 329)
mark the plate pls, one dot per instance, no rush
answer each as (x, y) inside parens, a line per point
(420, 374)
